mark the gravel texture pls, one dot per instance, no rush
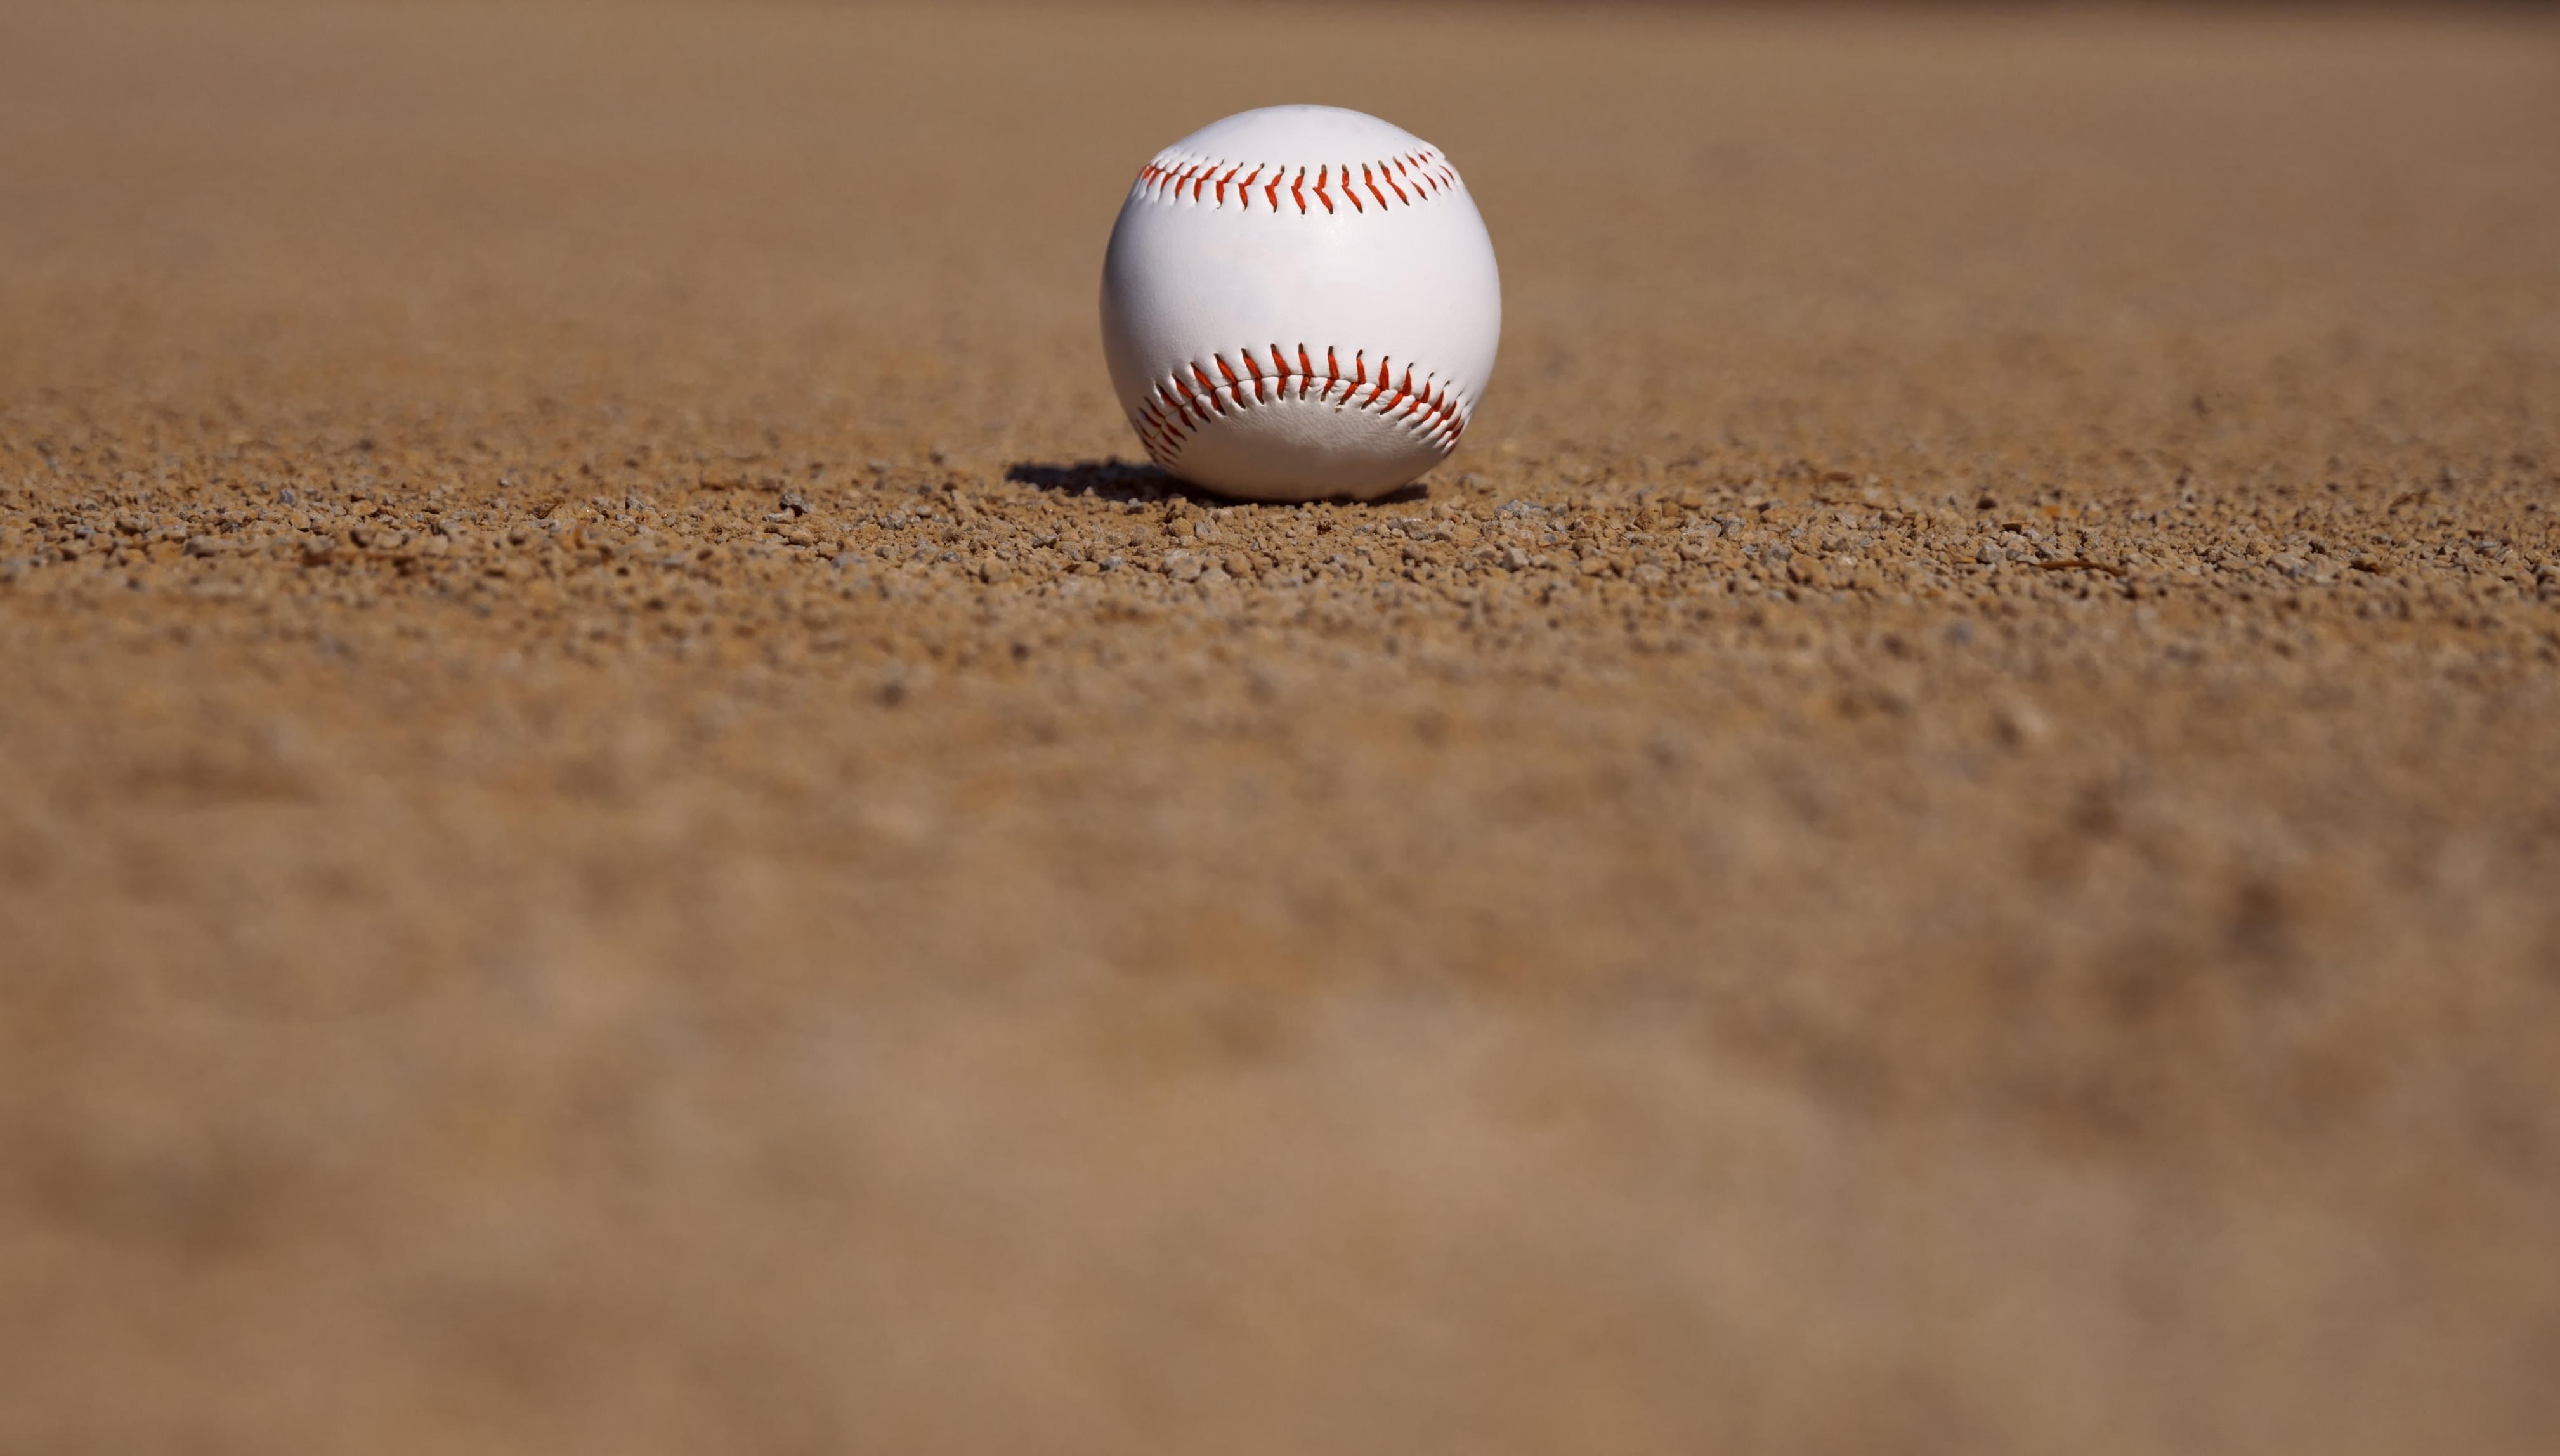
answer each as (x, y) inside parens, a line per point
(625, 827)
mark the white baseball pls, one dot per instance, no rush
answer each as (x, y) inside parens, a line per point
(1300, 302)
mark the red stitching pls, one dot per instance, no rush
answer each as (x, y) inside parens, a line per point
(1413, 178)
(1152, 429)
(1382, 374)
(1174, 409)
(1209, 388)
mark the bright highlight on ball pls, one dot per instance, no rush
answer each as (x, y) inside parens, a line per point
(1300, 302)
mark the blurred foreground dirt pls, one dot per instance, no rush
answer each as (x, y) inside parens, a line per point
(622, 829)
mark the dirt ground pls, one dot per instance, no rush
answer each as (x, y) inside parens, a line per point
(624, 827)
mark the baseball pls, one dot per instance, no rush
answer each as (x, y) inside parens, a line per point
(1300, 302)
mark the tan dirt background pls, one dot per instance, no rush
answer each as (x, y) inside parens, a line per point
(622, 830)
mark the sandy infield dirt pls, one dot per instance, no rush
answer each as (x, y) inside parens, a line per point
(624, 827)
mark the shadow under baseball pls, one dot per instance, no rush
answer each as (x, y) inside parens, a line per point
(1115, 479)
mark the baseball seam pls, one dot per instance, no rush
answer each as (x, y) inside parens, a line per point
(1172, 411)
(1408, 180)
